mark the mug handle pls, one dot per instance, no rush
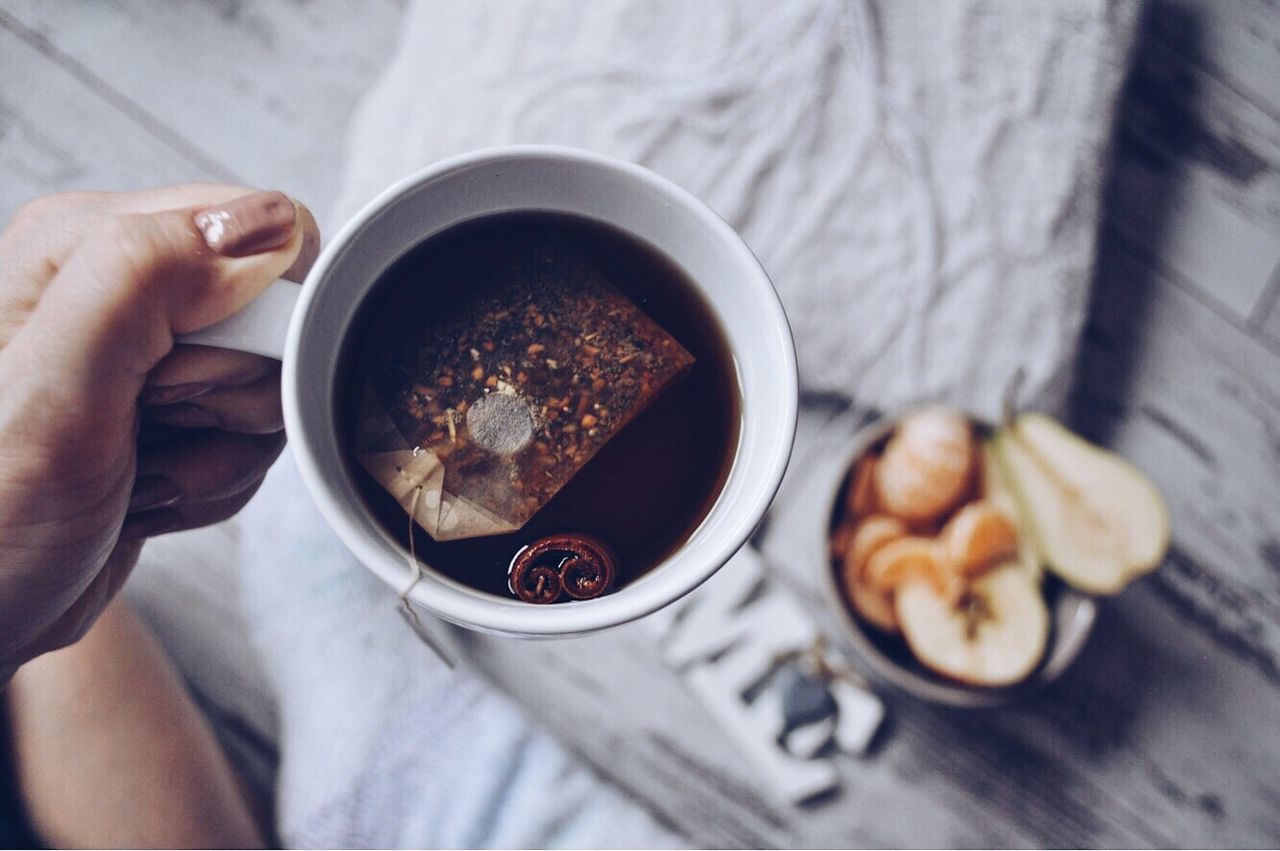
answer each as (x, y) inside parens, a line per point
(260, 327)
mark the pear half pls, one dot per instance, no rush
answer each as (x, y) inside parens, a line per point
(992, 634)
(996, 489)
(1097, 521)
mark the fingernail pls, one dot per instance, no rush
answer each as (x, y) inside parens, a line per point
(182, 414)
(170, 395)
(248, 225)
(148, 524)
(153, 492)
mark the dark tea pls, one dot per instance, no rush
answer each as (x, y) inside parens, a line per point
(645, 490)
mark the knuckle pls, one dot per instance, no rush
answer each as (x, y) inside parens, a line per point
(40, 211)
(125, 246)
(245, 463)
(42, 208)
(138, 250)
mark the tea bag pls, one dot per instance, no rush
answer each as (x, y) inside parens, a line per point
(490, 409)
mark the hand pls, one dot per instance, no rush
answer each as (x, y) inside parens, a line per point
(108, 432)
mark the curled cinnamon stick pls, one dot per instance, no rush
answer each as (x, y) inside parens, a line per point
(577, 566)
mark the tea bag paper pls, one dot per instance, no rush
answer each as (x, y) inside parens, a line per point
(483, 414)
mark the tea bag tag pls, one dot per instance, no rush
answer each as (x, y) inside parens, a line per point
(406, 604)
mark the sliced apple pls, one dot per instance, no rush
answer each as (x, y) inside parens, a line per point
(997, 490)
(993, 634)
(1097, 521)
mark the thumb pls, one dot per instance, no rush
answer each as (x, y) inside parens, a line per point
(111, 313)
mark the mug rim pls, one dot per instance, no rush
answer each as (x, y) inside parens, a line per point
(672, 579)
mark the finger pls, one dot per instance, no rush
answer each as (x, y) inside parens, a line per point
(153, 433)
(43, 233)
(204, 466)
(111, 313)
(35, 245)
(162, 521)
(190, 371)
(310, 248)
(198, 196)
(251, 409)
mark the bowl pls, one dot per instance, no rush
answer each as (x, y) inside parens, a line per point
(886, 659)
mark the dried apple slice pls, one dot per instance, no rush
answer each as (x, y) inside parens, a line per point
(992, 634)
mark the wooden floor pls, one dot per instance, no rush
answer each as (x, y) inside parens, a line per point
(1166, 731)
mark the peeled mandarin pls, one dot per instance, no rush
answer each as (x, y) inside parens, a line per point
(840, 539)
(979, 536)
(869, 536)
(938, 435)
(860, 499)
(927, 465)
(873, 606)
(908, 558)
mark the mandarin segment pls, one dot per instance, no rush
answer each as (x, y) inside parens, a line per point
(873, 606)
(860, 498)
(979, 536)
(869, 536)
(840, 539)
(906, 558)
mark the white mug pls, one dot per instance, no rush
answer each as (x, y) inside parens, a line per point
(318, 314)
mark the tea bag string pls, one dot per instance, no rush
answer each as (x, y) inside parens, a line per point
(416, 574)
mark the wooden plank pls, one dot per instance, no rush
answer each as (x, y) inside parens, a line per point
(1118, 754)
(1197, 176)
(1224, 255)
(1195, 401)
(1268, 313)
(266, 90)
(1235, 41)
(56, 135)
(1105, 757)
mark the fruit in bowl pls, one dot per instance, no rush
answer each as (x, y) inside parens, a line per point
(947, 526)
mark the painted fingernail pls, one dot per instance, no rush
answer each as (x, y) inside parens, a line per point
(147, 524)
(182, 414)
(248, 225)
(170, 395)
(153, 492)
